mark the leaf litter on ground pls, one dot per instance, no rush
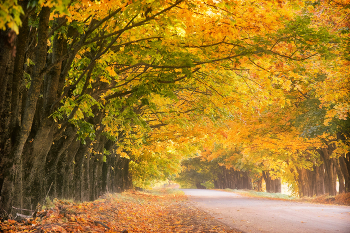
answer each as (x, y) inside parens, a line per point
(130, 211)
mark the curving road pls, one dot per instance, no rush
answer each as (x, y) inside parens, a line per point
(263, 215)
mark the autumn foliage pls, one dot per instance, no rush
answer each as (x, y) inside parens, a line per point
(101, 96)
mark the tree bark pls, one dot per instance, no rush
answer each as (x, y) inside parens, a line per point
(31, 102)
(330, 177)
(319, 189)
(340, 176)
(345, 172)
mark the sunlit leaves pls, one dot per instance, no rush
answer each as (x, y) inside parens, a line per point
(10, 13)
(248, 81)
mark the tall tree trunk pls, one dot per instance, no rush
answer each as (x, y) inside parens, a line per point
(345, 171)
(6, 145)
(69, 170)
(86, 186)
(78, 170)
(278, 185)
(340, 176)
(7, 46)
(330, 176)
(41, 147)
(18, 73)
(267, 179)
(319, 189)
(31, 102)
(57, 155)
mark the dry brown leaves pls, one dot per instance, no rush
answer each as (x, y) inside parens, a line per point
(126, 212)
(340, 199)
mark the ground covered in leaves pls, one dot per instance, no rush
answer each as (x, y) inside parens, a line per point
(131, 211)
(341, 199)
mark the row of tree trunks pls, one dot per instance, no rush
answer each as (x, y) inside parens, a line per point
(322, 179)
(272, 185)
(40, 157)
(344, 164)
(330, 177)
(311, 183)
(82, 175)
(229, 178)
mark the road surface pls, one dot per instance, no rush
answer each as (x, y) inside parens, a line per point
(248, 214)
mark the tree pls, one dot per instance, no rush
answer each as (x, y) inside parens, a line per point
(95, 85)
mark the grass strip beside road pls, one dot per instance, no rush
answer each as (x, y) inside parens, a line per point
(253, 193)
(341, 199)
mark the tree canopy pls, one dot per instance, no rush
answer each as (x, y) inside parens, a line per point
(98, 95)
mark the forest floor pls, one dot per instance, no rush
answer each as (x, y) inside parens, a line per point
(131, 211)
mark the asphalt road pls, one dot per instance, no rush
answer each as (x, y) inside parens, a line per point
(249, 214)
